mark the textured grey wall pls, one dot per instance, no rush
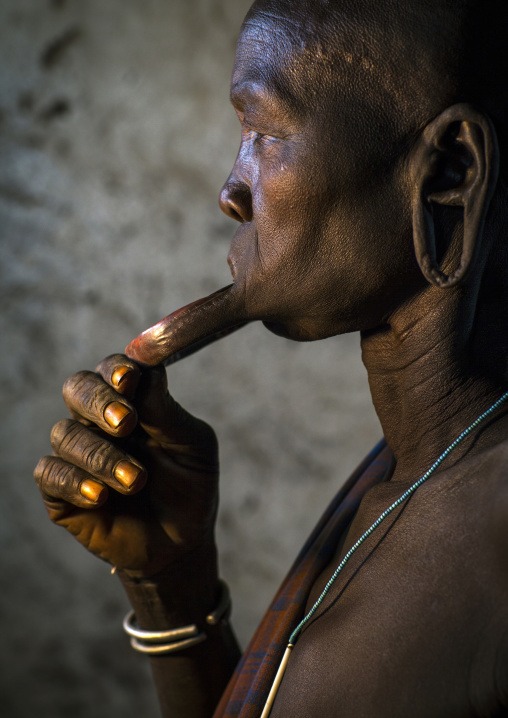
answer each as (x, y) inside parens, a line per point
(116, 135)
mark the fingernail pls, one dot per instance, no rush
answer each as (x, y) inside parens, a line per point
(91, 490)
(120, 374)
(127, 473)
(115, 414)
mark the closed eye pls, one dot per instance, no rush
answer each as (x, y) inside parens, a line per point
(260, 138)
(256, 136)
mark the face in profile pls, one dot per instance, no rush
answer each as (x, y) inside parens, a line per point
(325, 242)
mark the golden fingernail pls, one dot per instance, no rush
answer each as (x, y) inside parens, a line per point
(126, 473)
(116, 413)
(120, 374)
(91, 490)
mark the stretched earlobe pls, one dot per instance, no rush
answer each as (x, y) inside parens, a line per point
(455, 163)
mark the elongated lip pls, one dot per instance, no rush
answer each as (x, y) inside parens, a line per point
(188, 329)
(204, 321)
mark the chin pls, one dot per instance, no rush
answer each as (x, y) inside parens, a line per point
(308, 330)
(290, 330)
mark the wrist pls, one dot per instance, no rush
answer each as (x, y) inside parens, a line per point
(163, 642)
(183, 593)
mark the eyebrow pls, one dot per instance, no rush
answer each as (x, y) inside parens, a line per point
(251, 93)
(245, 91)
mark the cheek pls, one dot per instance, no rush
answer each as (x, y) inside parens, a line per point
(371, 266)
(290, 200)
(336, 265)
(333, 241)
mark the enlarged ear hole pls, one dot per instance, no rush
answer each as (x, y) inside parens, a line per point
(427, 249)
(445, 281)
(454, 164)
(426, 246)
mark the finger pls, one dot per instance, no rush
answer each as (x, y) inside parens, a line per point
(88, 396)
(121, 373)
(169, 424)
(79, 418)
(78, 445)
(188, 326)
(59, 480)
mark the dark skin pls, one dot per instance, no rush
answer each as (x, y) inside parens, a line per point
(402, 239)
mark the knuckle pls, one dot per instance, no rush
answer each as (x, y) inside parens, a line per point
(68, 438)
(74, 382)
(77, 445)
(96, 457)
(87, 392)
(50, 470)
(98, 398)
(53, 475)
(40, 471)
(79, 389)
(61, 478)
(60, 430)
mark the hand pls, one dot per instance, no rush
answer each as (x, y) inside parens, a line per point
(133, 476)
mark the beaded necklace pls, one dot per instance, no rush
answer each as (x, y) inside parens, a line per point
(294, 636)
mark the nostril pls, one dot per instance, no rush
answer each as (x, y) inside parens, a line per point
(234, 214)
(236, 202)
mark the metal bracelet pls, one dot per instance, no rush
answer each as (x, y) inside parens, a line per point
(175, 634)
(223, 610)
(175, 639)
(158, 649)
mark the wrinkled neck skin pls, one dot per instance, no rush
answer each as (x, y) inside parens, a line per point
(436, 365)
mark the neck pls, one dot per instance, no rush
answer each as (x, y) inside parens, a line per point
(437, 365)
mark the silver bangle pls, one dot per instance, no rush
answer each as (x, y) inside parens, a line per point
(158, 649)
(223, 610)
(175, 639)
(175, 634)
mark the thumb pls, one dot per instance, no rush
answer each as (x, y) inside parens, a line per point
(169, 424)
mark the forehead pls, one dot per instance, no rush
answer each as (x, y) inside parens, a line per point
(276, 55)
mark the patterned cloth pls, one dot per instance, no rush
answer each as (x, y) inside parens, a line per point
(248, 689)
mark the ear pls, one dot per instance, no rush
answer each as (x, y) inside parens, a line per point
(454, 163)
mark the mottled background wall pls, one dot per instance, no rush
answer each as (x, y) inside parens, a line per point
(116, 135)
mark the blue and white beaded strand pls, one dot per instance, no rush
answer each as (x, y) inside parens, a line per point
(294, 636)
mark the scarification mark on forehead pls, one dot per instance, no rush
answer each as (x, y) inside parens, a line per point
(321, 38)
(306, 57)
(266, 35)
(379, 58)
(298, 30)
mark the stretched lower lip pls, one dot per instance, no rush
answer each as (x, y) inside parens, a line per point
(190, 328)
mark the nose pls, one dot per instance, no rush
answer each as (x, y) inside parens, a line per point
(236, 200)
